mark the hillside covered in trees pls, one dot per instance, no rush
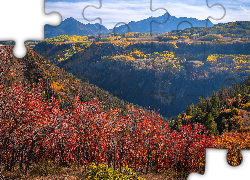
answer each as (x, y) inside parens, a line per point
(167, 71)
(66, 107)
(51, 119)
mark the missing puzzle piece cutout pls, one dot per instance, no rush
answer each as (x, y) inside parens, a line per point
(24, 20)
(217, 167)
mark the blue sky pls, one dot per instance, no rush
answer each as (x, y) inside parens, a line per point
(115, 11)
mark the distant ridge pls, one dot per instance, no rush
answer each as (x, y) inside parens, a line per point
(71, 26)
(172, 23)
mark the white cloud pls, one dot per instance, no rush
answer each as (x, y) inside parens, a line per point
(113, 12)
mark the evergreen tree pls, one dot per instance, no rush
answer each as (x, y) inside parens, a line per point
(189, 110)
(211, 124)
(198, 116)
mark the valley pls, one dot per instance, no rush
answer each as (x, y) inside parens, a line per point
(127, 105)
(166, 71)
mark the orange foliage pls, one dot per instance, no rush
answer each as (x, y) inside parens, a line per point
(57, 86)
(234, 142)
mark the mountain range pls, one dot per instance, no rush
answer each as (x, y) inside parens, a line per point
(71, 26)
(161, 24)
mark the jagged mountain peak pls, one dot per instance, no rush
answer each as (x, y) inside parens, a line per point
(71, 26)
(162, 24)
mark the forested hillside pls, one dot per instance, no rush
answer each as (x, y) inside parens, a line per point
(57, 82)
(167, 71)
(46, 120)
(192, 89)
(230, 31)
(226, 110)
(50, 120)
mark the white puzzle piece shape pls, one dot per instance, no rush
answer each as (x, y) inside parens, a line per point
(29, 18)
(217, 167)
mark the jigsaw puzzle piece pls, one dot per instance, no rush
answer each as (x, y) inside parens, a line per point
(92, 6)
(195, 73)
(148, 93)
(156, 88)
(193, 65)
(217, 167)
(107, 70)
(107, 7)
(165, 17)
(113, 68)
(129, 85)
(239, 28)
(214, 5)
(162, 94)
(198, 76)
(145, 94)
(183, 95)
(108, 74)
(27, 12)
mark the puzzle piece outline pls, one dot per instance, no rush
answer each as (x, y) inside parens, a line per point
(20, 50)
(153, 21)
(219, 159)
